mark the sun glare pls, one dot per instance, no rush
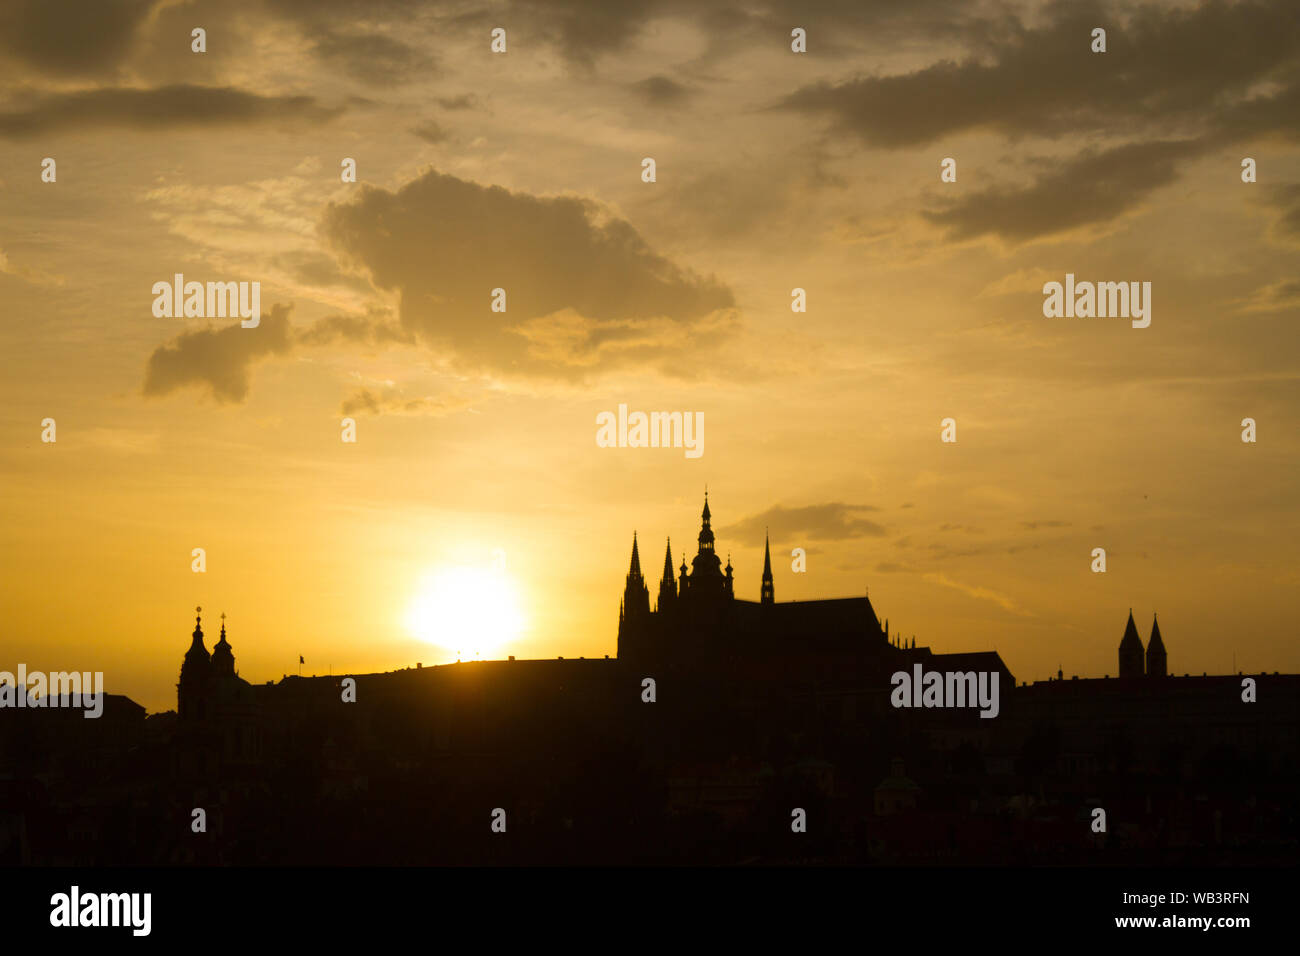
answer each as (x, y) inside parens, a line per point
(472, 612)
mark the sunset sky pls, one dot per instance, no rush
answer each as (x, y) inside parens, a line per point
(523, 170)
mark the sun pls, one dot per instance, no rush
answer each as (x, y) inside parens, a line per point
(472, 612)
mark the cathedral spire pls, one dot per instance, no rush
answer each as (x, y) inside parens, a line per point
(667, 583)
(768, 593)
(636, 559)
(635, 610)
(706, 532)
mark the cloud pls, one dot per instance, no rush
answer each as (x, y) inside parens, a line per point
(28, 274)
(834, 521)
(582, 287)
(466, 101)
(662, 91)
(1017, 283)
(1035, 525)
(370, 329)
(431, 132)
(1168, 65)
(163, 108)
(373, 57)
(1287, 207)
(979, 593)
(1090, 189)
(72, 38)
(1280, 296)
(218, 358)
(584, 30)
(391, 401)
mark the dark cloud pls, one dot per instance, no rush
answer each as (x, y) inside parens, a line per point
(391, 401)
(584, 30)
(1093, 188)
(1175, 67)
(164, 108)
(218, 358)
(1287, 207)
(1273, 115)
(431, 132)
(662, 91)
(1035, 525)
(834, 521)
(373, 57)
(72, 38)
(583, 289)
(466, 101)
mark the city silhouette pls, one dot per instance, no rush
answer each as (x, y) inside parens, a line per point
(724, 731)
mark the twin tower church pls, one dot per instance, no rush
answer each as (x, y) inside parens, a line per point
(1131, 663)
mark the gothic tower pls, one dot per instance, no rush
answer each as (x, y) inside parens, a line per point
(1157, 660)
(634, 614)
(667, 583)
(1130, 650)
(768, 592)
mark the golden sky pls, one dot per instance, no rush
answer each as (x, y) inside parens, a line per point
(523, 170)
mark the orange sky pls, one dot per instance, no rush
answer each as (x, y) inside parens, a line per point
(476, 430)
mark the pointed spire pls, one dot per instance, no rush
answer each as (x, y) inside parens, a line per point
(767, 595)
(667, 584)
(636, 596)
(1130, 651)
(636, 558)
(1157, 658)
(706, 532)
